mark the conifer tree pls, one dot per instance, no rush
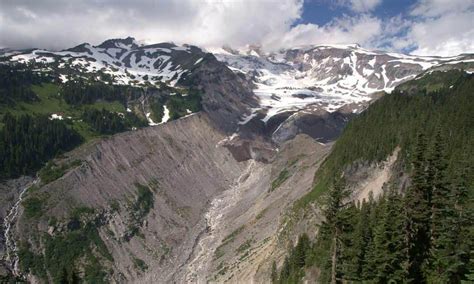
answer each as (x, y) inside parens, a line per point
(285, 271)
(389, 243)
(336, 196)
(442, 215)
(349, 251)
(418, 213)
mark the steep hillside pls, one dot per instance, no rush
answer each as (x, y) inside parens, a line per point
(136, 201)
(427, 121)
(166, 163)
(167, 203)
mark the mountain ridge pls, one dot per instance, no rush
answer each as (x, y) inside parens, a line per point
(326, 76)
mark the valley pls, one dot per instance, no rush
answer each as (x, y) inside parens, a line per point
(172, 164)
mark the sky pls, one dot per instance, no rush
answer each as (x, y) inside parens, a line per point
(421, 27)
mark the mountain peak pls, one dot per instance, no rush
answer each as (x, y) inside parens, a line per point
(129, 42)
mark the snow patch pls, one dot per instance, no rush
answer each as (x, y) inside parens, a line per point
(166, 114)
(56, 116)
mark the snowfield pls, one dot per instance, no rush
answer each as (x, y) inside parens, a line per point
(311, 77)
(328, 76)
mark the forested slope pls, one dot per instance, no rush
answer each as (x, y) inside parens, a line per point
(417, 233)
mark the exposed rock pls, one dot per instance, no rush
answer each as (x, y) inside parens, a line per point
(183, 165)
(320, 125)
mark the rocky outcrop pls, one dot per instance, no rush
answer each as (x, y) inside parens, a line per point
(226, 96)
(213, 217)
(321, 125)
(180, 162)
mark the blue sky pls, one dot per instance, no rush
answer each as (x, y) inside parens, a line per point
(423, 27)
(322, 12)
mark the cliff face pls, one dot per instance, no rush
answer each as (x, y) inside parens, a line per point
(208, 217)
(182, 166)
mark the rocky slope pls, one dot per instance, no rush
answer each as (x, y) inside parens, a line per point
(201, 195)
(178, 163)
(208, 197)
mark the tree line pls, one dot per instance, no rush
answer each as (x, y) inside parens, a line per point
(27, 142)
(15, 83)
(423, 235)
(106, 122)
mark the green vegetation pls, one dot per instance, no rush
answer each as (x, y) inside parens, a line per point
(81, 92)
(139, 209)
(103, 121)
(27, 142)
(33, 207)
(179, 104)
(31, 262)
(396, 119)
(157, 109)
(420, 236)
(234, 234)
(65, 252)
(261, 214)
(219, 252)
(425, 236)
(140, 264)
(88, 108)
(49, 101)
(52, 172)
(282, 177)
(244, 247)
(143, 203)
(15, 82)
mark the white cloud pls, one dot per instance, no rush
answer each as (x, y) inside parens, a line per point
(59, 23)
(441, 27)
(434, 8)
(364, 5)
(362, 30)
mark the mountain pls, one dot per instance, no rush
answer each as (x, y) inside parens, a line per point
(126, 162)
(326, 77)
(126, 62)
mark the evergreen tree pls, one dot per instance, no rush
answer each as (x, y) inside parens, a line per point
(442, 215)
(334, 221)
(362, 237)
(349, 251)
(301, 250)
(462, 267)
(418, 213)
(389, 242)
(369, 270)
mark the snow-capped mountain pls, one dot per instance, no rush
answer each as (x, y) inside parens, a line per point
(312, 78)
(326, 76)
(125, 60)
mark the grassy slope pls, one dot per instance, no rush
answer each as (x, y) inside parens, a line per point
(50, 101)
